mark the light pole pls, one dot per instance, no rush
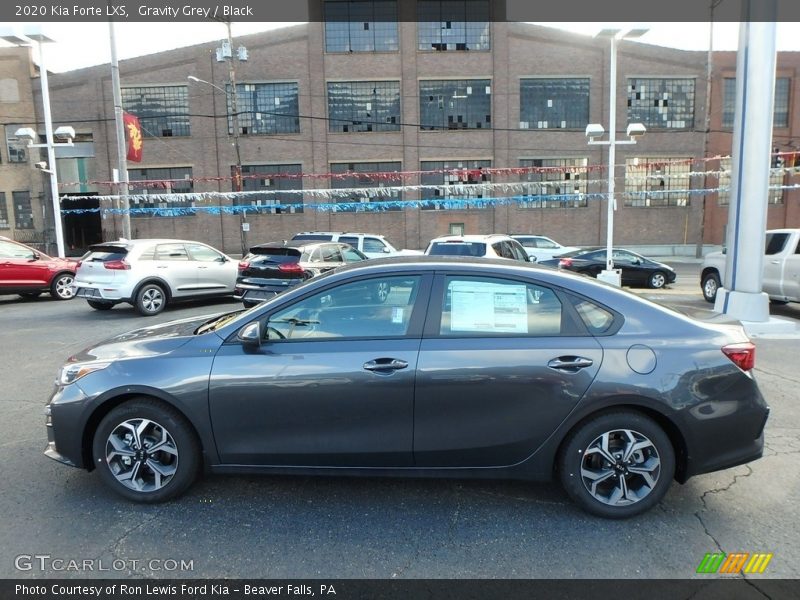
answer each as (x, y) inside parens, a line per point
(66, 134)
(594, 130)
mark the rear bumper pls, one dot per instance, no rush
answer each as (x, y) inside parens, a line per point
(101, 292)
(261, 293)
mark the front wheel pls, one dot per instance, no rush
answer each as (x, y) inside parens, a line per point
(146, 451)
(710, 285)
(151, 300)
(61, 287)
(657, 280)
(617, 465)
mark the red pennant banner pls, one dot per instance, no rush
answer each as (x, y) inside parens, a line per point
(133, 134)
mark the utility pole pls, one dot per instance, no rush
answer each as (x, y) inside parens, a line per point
(237, 175)
(122, 188)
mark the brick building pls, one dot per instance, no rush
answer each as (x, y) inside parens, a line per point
(22, 204)
(329, 97)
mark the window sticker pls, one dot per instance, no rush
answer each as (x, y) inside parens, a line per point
(397, 314)
(488, 307)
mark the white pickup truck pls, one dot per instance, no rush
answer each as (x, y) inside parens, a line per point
(781, 268)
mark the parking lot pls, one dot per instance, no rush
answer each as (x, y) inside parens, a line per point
(305, 527)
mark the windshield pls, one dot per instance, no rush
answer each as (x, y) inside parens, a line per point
(218, 321)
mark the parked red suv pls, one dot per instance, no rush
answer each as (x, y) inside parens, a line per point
(28, 272)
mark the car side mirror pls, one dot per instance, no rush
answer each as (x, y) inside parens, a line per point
(636, 261)
(250, 335)
(222, 259)
(385, 250)
(35, 256)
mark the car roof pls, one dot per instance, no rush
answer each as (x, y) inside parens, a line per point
(298, 244)
(378, 235)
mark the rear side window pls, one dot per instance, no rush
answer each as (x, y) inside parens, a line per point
(171, 252)
(597, 319)
(106, 253)
(457, 249)
(497, 307)
(353, 241)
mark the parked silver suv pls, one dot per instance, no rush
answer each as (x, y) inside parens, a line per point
(149, 274)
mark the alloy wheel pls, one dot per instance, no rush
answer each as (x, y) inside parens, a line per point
(620, 467)
(710, 288)
(657, 280)
(64, 287)
(141, 455)
(152, 299)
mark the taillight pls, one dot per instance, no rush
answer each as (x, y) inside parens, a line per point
(565, 262)
(117, 265)
(742, 355)
(243, 264)
(291, 268)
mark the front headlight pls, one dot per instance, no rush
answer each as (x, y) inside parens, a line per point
(71, 373)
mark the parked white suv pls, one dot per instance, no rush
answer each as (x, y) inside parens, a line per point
(371, 244)
(149, 274)
(487, 246)
(540, 247)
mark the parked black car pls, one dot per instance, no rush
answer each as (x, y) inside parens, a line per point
(272, 268)
(469, 368)
(637, 271)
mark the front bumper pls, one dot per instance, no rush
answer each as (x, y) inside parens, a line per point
(65, 418)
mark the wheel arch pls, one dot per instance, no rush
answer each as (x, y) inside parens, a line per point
(643, 407)
(709, 271)
(118, 398)
(147, 280)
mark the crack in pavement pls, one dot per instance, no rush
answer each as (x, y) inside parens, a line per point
(778, 375)
(113, 547)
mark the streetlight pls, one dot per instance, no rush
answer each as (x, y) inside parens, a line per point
(64, 134)
(594, 130)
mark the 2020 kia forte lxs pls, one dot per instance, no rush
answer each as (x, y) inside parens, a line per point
(469, 368)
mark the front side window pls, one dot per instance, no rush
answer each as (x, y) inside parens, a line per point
(266, 108)
(10, 250)
(498, 307)
(372, 308)
(775, 243)
(163, 111)
(351, 255)
(555, 182)
(202, 253)
(271, 177)
(555, 103)
(453, 25)
(453, 172)
(23, 211)
(651, 182)
(780, 113)
(365, 175)
(361, 26)
(167, 180)
(455, 104)
(363, 106)
(374, 245)
(661, 103)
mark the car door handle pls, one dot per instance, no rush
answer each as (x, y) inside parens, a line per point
(570, 363)
(161, 266)
(775, 262)
(385, 364)
(202, 267)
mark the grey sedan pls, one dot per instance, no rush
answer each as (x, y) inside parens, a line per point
(470, 368)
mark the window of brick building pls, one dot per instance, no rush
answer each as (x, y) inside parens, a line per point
(4, 223)
(661, 181)
(361, 26)
(554, 103)
(453, 25)
(272, 203)
(661, 103)
(173, 180)
(163, 110)
(563, 177)
(780, 114)
(361, 106)
(455, 104)
(776, 177)
(459, 172)
(23, 211)
(361, 181)
(266, 108)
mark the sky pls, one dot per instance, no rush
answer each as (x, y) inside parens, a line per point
(80, 45)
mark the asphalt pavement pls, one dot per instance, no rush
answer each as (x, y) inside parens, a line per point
(303, 527)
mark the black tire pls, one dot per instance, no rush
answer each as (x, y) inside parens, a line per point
(182, 461)
(100, 305)
(709, 285)
(61, 286)
(778, 302)
(657, 280)
(579, 451)
(30, 295)
(151, 299)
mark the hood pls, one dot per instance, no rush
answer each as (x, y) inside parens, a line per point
(147, 341)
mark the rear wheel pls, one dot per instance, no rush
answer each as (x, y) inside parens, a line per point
(100, 305)
(146, 451)
(710, 285)
(617, 465)
(657, 280)
(151, 300)
(61, 287)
